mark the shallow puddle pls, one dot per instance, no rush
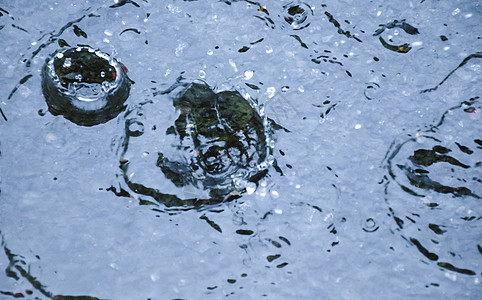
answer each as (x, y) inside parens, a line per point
(276, 149)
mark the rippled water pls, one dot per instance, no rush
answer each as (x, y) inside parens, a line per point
(373, 187)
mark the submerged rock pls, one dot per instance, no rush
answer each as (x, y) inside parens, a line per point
(212, 150)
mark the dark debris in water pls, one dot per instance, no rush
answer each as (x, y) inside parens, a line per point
(451, 267)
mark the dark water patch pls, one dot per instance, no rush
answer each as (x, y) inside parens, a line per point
(243, 49)
(244, 232)
(79, 32)
(270, 258)
(437, 228)
(455, 269)
(62, 43)
(423, 250)
(211, 223)
(124, 2)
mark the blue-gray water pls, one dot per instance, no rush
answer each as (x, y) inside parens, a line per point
(373, 191)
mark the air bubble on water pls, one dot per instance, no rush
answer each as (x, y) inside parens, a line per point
(250, 188)
(106, 40)
(248, 75)
(379, 13)
(269, 50)
(102, 74)
(202, 74)
(210, 52)
(275, 194)
(301, 89)
(78, 49)
(456, 11)
(278, 211)
(271, 92)
(59, 55)
(285, 88)
(106, 86)
(358, 126)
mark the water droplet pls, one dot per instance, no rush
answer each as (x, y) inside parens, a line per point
(67, 62)
(250, 188)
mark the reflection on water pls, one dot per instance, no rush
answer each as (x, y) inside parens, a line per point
(215, 149)
(439, 172)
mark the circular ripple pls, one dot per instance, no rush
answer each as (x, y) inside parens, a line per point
(86, 86)
(204, 149)
(297, 14)
(370, 225)
(434, 195)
